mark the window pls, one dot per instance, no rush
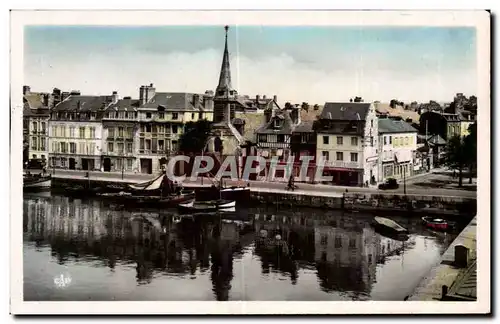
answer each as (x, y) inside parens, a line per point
(396, 141)
(338, 242)
(42, 144)
(120, 132)
(324, 239)
(129, 147)
(63, 147)
(148, 115)
(119, 164)
(390, 139)
(81, 148)
(33, 143)
(130, 164)
(354, 141)
(82, 132)
(385, 140)
(148, 128)
(72, 132)
(92, 132)
(340, 140)
(148, 144)
(72, 148)
(63, 162)
(110, 147)
(54, 131)
(325, 155)
(120, 148)
(340, 156)
(371, 141)
(35, 127)
(281, 138)
(130, 132)
(175, 116)
(174, 129)
(262, 138)
(43, 127)
(372, 122)
(200, 115)
(326, 140)
(161, 145)
(161, 115)
(192, 115)
(141, 144)
(407, 140)
(354, 157)
(352, 242)
(154, 130)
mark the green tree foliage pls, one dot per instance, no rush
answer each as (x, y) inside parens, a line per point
(461, 152)
(195, 136)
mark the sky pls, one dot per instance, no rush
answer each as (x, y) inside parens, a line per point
(298, 63)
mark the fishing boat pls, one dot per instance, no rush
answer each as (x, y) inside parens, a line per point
(170, 200)
(435, 223)
(156, 187)
(388, 226)
(36, 182)
(220, 205)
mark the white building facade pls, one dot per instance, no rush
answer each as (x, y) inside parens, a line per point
(398, 144)
(347, 143)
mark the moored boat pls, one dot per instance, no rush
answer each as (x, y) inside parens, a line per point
(220, 205)
(435, 223)
(127, 198)
(37, 182)
(387, 225)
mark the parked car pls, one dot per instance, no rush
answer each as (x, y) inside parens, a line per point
(390, 183)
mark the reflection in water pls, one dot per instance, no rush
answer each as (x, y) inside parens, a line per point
(342, 251)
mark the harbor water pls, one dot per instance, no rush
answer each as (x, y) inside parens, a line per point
(93, 250)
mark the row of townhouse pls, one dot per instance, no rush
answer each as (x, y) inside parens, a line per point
(355, 146)
(106, 133)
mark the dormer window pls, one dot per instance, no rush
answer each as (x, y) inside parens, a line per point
(278, 123)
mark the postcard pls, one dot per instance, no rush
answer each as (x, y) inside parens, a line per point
(250, 162)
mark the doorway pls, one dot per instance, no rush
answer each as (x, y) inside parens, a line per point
(72, 163)
(147, 166)
(107, 164)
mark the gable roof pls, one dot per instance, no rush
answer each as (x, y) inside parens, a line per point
(84, 103)
(174, 101)
(286, 128)
(345, 110)
(389, 125)
(398, 111)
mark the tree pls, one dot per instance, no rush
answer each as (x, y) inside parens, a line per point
(305, 106)
(456, 155)
(470, 143)
(195, 136)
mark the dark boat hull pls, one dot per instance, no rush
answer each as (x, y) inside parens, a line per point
(195, 207)
(37, 184)
(239, 194)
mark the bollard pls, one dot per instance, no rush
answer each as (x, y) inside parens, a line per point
(461, 256)
(444, 291)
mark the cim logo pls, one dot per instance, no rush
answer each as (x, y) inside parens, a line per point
(62, 281)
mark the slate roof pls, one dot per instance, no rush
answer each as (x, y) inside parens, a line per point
(432, 139)
(252, 122)
(345, 110)
(125, 105)
(398, 111)
(84, 103)
(304, 127)
(174, 101)
(33, 105)
(286, 128)
(388, 125)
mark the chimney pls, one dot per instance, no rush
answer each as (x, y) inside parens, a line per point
(264, 97)
(196, 100)
(46, 100)
(208, 100)
(142, 95)
(26, 89)
(114, 97)
(75, 93)
(78, 105)
(257, 98)
(275, 98)
(150, 92)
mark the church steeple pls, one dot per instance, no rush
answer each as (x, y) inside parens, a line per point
(225, 88)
